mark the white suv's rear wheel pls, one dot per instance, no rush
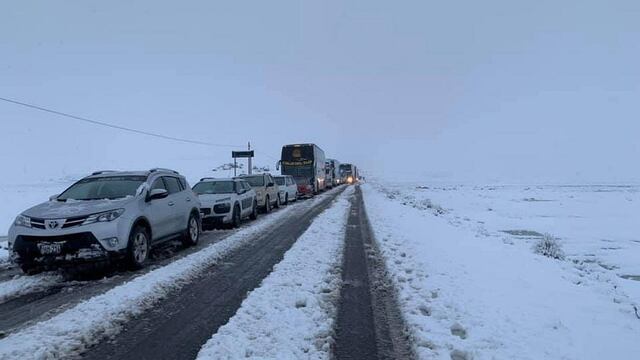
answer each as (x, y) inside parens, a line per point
(192, 234)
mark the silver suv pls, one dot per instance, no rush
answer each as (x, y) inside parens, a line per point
(105, 217)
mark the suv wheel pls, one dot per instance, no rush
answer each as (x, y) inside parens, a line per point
(286, 198)
(138, 248)
(277, 205)
(192, 234)
(267, 204)
(235, 217)
(254, 211)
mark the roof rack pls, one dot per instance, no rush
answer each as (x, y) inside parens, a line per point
(164, 169)
(207, 178)
(102, 172)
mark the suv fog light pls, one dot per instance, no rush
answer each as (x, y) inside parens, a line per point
(113, 242)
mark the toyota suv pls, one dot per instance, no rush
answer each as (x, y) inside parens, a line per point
(266, 190)
(225, 201)
(107, 216)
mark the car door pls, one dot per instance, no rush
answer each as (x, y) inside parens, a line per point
(178, 203)
(159, 212)
(272, 190)
(291, 188)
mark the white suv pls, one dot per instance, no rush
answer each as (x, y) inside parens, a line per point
(266, 190)
(288, 188)
(109, 215)
(225, 201)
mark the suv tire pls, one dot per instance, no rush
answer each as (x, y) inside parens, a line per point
(192, 234)
(277, 204)
(138, 247)
(236, 217)
(254, 211)
(286, 198)
(267, 204)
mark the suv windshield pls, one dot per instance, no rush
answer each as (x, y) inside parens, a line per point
(114, 187)
(254, 180)
(214, 187)
(279, 180)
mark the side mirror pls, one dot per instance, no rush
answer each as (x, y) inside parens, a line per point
(53, 197)
(278, 165)
(157, 194)
(241, 191)
(271, 184)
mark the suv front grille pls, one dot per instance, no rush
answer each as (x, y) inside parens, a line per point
(74, 221)
(68, 223)
(85, 237)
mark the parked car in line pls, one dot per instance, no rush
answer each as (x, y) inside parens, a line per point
(225, 201)
(288, 188)
(266, 190)
(105, 217)
(333, 172)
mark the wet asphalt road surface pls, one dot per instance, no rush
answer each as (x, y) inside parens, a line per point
(179, 326)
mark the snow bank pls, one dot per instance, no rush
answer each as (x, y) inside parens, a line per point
(21, 285)
(290, 316)
(4, 252)
(466, 294)
(72, 331)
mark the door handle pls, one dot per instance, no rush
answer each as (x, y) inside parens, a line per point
(171, 203)
(188, 199)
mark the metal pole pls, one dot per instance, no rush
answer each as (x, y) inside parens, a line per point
(249, 159)
(235, 167)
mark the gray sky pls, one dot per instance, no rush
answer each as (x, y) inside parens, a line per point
(491, 91)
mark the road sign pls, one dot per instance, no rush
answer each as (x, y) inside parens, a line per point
(242, 154)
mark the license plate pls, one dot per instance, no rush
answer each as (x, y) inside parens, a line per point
(50, 248)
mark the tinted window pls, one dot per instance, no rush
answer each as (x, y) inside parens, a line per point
(246, 185)
(158, 184)
(103, 188)
(255, 180)
(173, 185)
(184, 184)
(280, 181)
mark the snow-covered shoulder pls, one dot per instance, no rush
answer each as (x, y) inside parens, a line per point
(290, 316)
(465, 294)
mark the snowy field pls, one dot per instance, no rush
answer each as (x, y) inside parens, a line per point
(471, 286)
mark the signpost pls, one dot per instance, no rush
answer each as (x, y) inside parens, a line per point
(249, 154)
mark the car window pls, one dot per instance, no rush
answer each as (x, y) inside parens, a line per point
(214, 187)
(158, 184)
(173, 185)
(280, 181)
(255, 180)
(114, 187)
(184, 184)
(246, 185)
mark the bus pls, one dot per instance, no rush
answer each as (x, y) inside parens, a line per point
(333, 172)
(348, 173)
(306, 163)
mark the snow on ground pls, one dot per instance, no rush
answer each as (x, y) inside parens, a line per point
(21, 285)
(469, 290)
(290, 316)
(72, 331)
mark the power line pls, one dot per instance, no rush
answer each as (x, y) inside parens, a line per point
(95, 122)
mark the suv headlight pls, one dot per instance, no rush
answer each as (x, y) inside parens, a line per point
(22, 220)
(103, 216)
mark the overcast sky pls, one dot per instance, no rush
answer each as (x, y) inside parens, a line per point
(474, 91)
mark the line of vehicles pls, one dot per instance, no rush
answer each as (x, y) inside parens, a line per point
(118, 216)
